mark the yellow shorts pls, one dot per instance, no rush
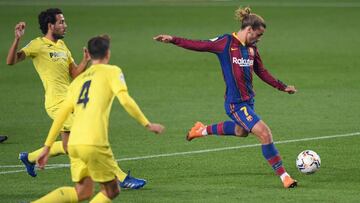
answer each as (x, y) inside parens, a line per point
(92, 161)
(68, 122)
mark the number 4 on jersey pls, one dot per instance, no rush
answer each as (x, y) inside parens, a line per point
(83, 97)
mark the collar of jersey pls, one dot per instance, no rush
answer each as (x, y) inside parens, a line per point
(49, 41)
(236, 37)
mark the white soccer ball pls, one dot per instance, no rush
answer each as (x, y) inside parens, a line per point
(308, 162)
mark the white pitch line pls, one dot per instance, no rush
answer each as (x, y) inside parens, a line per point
(55, 166)
(235, 147)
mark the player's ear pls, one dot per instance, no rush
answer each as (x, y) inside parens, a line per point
(50, 27)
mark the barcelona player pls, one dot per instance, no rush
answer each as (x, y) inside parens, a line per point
(90, 98)
(56, 67)
(239, 58)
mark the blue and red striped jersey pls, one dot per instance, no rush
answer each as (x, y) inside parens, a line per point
(238, 62)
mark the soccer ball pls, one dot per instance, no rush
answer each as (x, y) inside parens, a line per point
(308, 162)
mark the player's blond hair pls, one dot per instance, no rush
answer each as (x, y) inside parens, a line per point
(247, 18)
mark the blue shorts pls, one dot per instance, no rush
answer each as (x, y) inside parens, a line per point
(243, 114)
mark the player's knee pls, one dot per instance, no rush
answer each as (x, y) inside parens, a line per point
(111, 189)
(113, 193)
(84, 189)
(240, 132)
(84, 194)
(263, 133)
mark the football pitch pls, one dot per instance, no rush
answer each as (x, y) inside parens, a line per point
(310, 44)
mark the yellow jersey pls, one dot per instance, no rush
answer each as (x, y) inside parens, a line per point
(51, 61)
(90, 98)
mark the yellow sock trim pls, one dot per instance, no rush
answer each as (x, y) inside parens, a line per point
(56, 149)
(60, 195)
(100, 198)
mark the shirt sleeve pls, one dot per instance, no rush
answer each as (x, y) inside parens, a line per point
(216, 45)
(132, 108)
(31, 49)
(264, 74)
(118, 86)
(70, 58)
(117, 80)
(64, 111)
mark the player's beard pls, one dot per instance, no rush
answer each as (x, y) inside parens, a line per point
(58, 36)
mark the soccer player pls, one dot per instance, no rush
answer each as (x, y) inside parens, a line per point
(3, 138)
(239, 58)
(90, 97)
(56, 68)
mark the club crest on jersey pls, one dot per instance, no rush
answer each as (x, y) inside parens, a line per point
(122, 78)
(242, 62)
(251, 52)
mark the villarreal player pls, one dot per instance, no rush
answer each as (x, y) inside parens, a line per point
(239, 58)
(56, 68)
(90, 98)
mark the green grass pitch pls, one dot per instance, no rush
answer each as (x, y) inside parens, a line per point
(310, 44)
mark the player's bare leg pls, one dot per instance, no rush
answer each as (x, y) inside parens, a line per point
(262, 132)
(65, 140)
(108, 192)
(84, 189)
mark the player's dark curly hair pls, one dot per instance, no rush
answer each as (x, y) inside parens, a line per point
(98, 46)
(46, 17)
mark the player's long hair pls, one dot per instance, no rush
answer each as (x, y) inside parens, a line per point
(46, 17)
(246, 18)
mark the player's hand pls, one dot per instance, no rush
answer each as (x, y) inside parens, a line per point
(163, 38)
(20, 30)
(290, 89)
(155, 128)
(86, 54)
(42, 159)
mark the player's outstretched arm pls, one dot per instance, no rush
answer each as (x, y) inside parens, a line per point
(214, 46)
(133, 109)
(14, 56)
